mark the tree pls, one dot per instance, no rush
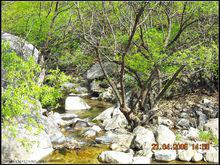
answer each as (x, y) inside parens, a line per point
(159, 35)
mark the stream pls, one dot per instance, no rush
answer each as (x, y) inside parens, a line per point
(89, 152)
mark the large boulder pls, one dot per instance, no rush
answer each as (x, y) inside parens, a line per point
(112, 118)
(73, 103)
(27, 145)
(96, 72)
(20, 46)
(115, 157)
(165, 135)
(144, 138)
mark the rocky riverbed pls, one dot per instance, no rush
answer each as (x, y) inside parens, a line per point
(101, 137)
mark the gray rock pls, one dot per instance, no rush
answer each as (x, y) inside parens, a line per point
(81, 90)
(73, 103)
(94, 87)
(36, 146)
(112, 118)
(165, 135)
(165, 155)
(143, 139)
(202, 118)
(67, 86)
(183, 123)
(96, 72)
(115, 157)
(107, 95)
(21, 47)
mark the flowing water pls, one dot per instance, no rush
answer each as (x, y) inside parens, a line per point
(89, 153)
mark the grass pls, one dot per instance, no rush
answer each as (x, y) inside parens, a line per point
(208, 136)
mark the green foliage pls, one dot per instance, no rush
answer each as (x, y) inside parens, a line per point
(178, 137)
(208, 136)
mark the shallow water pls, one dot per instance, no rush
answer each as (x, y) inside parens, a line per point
(89, 154)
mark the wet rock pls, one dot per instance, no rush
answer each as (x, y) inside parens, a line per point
(141, 160)
(80, 124)
(143, 139)
(184, 115)
(212, 125)
(165, 155)
(73, 103)
(186, 155)
(212, 155)
(66, 116)
(165, 135)
(115, 157)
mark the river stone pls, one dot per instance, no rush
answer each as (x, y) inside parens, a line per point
(94, 87)
(73, 103)
(38, 145)
(21, 47)
(141, 160)
(115, 157)
(212, 155)
(143, 139)
(165, 135)
(90, 133)
(186, 155)
(112, 118)
(197, 157)
(212, 125)
(118, 147)
(67, 85)
(96, 128)
(165, 155)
